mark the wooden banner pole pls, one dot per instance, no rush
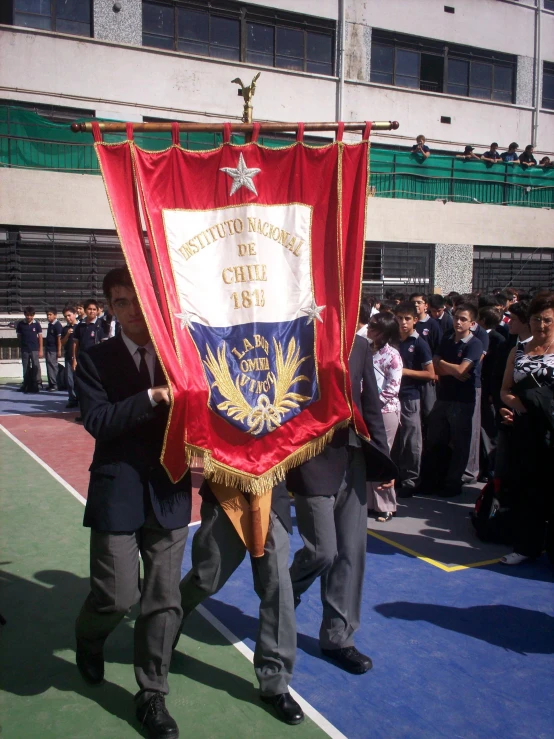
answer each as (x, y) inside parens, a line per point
(235, 127)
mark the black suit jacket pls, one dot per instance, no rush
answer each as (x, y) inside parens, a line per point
(496, 341)
(126, 476)
(323, 474)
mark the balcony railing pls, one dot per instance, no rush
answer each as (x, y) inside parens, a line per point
(403, 175)
(32, 142)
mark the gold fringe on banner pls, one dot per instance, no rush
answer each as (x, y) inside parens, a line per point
(259, 486)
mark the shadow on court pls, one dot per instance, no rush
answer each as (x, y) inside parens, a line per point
(519, 630)
(38, 646)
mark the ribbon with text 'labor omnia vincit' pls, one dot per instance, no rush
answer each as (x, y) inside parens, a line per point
(250, 283)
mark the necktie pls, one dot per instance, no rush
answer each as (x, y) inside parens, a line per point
(144, 372)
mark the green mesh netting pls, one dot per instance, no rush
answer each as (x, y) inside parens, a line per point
(405, 175)
(29, 140)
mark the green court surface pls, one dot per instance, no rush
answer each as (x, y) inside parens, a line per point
(43, 580)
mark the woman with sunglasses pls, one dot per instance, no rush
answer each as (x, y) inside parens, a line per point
(383, 335)
(528, 393)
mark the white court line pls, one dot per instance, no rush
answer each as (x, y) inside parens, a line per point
(52, 472)
(55, 475)
(308, 709)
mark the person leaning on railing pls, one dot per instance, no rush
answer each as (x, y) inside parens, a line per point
(510, 156)
(420, 147)
(527, 157)
(468, 154)
(492, 155)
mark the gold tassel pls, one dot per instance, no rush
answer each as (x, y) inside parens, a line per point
(259, 486)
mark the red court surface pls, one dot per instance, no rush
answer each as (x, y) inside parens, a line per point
(67, 448)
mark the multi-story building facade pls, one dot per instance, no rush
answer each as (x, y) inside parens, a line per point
(470, 72)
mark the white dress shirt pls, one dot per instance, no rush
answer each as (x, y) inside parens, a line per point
(149, 358)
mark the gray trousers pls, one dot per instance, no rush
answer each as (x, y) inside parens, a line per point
(31, 358)
(408, 444)
(471, 472)
(69, 381)
(115, 587)
(52, 368)
(384, 501)
(450, 425)
(217, 551)
(334, 531)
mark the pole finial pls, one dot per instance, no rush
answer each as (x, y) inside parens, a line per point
(247, 93)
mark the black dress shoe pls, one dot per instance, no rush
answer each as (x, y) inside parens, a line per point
(90, 664)
(286, 708)
(153, 714)
(350, 659)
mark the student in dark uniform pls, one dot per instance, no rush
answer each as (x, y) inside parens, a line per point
(331, 513)
(217, 551)
(510, 156)
(492, 155)
(471, 474)
(428, 329)
(53, 347)
(458, 365)
(132, 508)
(29, 333)
(417, 362)
(527, 157)
(70, 315)
(437, 310)
(489, 317)
(89, 332)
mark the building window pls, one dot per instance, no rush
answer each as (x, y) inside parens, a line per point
(244, 33)
(397, 266)
(549, 4)
(424, 64)
(548, 85)
(64, 16)
(529, 269)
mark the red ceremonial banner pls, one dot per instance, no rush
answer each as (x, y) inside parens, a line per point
(250, 288)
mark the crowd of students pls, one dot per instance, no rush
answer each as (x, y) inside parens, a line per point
(492, 155)
(449, 371)
(463, 379)
(86, 324)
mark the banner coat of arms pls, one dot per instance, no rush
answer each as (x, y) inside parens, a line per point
(250, 289)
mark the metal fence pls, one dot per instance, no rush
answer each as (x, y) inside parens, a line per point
(503, 266)
(29, 140)
(400, 267)
(396, 174)
(51, 268)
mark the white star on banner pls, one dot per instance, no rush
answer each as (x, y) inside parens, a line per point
(242, 176)
(185, 318)
(313, 312)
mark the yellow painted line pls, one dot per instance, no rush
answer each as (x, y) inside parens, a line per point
(434, 562)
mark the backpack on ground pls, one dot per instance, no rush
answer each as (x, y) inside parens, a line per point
(492, 521)
(60, 377)
(30, 383)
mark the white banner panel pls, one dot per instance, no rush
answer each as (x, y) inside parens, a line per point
(259, 254)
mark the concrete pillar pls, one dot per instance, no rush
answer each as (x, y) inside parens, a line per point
(525, 80)
(357, 52)
(121, 26)
(453, 268)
